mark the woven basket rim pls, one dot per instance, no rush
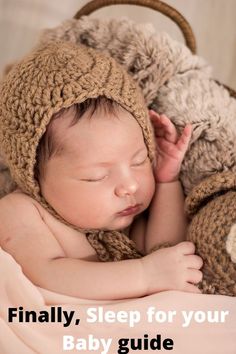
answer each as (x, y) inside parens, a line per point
(156, 5)
(159, 6)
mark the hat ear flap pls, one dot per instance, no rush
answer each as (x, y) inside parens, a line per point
(208, 189)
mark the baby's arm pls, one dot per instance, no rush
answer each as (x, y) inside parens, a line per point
(28, 239)
(167, 222)
(26, 236)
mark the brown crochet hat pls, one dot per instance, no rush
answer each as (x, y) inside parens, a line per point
(52, 77)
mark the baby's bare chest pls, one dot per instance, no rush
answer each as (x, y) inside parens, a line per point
(73, 243)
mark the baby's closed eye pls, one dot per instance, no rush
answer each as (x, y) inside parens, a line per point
(142, 159)
(138, 163)
(94, 180)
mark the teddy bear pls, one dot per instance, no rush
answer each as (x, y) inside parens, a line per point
(211, 209)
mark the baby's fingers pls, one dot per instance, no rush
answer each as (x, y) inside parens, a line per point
(166, 146)
(163, 127)
(184, 139)
(190, 288)
(186, 247)
(193, 261)
(194, 276)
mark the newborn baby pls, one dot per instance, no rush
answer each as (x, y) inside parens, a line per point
(92, 209)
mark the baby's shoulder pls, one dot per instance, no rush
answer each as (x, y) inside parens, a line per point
(23, 231)
(17, 212)
(16, 204)
(24, 223)
(15, 199)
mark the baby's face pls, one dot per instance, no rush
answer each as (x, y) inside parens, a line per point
(103, 170)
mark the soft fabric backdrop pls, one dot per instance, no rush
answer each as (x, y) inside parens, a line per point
(213, 22)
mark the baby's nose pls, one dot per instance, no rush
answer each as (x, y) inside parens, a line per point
(125, 187)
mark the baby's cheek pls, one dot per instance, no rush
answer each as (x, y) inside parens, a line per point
(89, 216)
(152, 177)
(97, 203)
(148, 185)
(152, 187)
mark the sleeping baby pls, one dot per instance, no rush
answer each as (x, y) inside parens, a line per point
(98, 211)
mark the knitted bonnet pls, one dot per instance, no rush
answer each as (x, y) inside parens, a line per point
(55, 76)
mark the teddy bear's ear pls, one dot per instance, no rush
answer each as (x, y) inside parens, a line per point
(208, 189)
(7, 69)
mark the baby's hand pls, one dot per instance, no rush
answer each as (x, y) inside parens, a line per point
(173, 268)
(171, 149)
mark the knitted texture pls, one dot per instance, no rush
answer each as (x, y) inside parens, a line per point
(211, 205)
(52, 77)
(7, 185)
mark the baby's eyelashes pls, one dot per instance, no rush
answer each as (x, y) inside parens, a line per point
(142, 162)
(93, 179)
(98, 179)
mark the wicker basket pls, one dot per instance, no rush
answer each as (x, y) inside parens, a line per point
(159, 6)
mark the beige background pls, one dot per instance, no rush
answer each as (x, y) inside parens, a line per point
(213, 22)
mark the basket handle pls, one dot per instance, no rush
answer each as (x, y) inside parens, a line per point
(157, 5)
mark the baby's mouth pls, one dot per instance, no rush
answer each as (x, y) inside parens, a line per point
(131, 210)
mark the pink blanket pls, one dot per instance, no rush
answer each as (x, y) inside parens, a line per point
(188, 323)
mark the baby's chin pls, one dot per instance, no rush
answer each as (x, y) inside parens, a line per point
(116, 223)
(122, 222)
